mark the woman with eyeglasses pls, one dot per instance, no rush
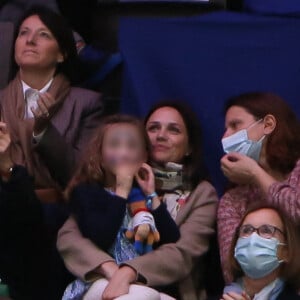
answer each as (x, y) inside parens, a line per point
(262, 146)
(264, 259)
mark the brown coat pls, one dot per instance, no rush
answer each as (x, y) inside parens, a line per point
(68, 133)
(166, 265)
(71, 130)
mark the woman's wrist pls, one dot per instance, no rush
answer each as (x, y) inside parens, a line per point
(257, 173)
(107, 269)
(129, 274)
(40, 126)
(262, 179)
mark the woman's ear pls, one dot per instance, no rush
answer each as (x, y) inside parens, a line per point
(60, 58)
(269, 124)
(188, 150)
(284, 255)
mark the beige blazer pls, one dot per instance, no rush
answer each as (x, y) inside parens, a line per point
(170, 263)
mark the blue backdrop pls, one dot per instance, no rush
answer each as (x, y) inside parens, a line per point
(203, 60)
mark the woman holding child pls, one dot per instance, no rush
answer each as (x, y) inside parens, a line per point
(178, 194)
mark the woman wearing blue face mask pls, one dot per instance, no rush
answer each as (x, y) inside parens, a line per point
(262, 146)
(263, 257)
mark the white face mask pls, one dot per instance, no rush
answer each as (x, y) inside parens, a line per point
(257, 256)
(239, 142)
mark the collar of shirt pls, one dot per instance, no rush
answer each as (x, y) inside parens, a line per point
(25, 87)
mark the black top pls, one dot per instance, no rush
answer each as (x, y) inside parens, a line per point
(99, 215)
(29, 262)
(288, 293)
(21, 225)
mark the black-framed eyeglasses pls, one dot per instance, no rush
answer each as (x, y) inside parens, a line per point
(266, 231)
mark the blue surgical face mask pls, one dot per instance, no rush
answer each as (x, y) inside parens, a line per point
(257, 256)
(239, 142)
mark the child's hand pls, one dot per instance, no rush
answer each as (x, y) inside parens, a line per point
(124, 178)
(145, 179)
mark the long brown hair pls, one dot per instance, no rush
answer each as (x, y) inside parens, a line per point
(283, 144)
(290, 270)
(90, 169)
(194, 165)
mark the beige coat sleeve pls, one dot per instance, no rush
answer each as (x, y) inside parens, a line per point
(167, 264)
(80, 255)
(173, 262)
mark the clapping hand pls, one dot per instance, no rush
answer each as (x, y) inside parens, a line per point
(5, 160)
(46, 107)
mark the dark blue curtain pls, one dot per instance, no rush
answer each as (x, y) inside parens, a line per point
(203, 60)
(273, 7)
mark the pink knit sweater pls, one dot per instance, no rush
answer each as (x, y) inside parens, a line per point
(234, 203)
